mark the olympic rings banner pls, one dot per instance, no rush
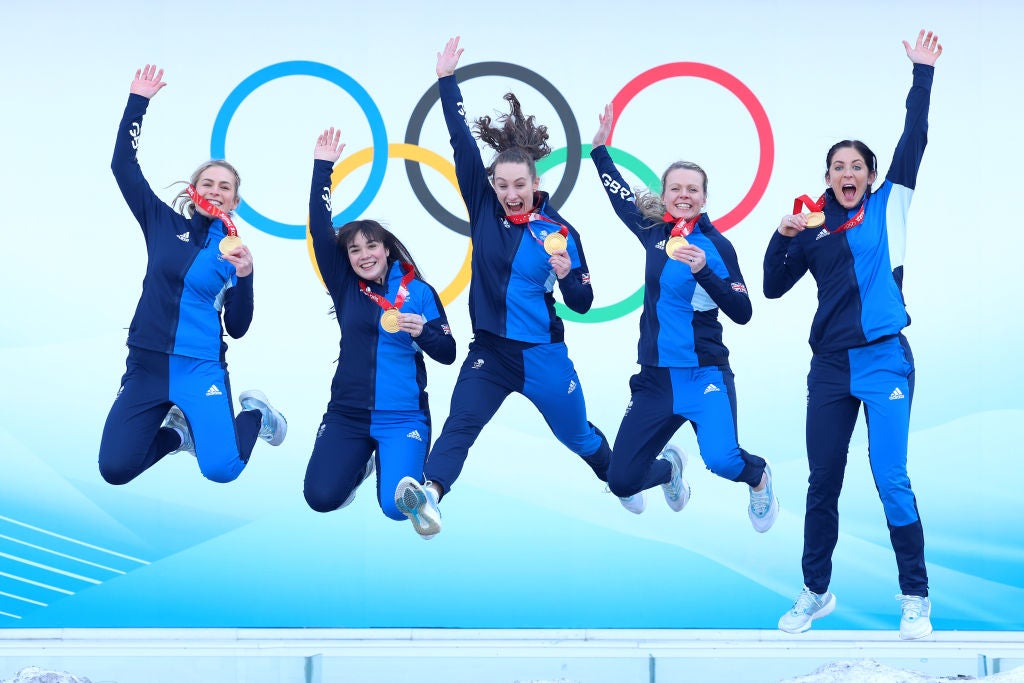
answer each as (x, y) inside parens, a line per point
(754, 93)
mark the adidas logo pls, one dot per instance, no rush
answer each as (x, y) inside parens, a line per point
(321, 430)
(896, 394)
(572, 386)
(709, 388)
(183, 237)
(660, 245)
(824, 233)
(629, 406)
(414, 434)
(213, 391)
(478, 363)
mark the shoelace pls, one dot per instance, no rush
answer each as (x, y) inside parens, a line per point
(806, 602)
(913, 606)
(760, 501)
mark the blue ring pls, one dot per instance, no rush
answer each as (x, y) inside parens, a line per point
(343, 81)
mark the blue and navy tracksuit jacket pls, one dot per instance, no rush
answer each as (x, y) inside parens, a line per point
(518, 341)
(685, 371)
(378, 394)
(176, 347)
(860, 355)
(187, 284)
(511, 291)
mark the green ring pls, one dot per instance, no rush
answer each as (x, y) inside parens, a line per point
(636, 299)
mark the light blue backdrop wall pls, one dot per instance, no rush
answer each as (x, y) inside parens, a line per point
(530, 538)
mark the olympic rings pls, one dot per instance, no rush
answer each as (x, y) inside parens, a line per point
(749, 100)
(343, 81)
(531, 78)
(413, 154)
(636, 299)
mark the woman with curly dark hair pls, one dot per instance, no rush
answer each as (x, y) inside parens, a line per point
(521, 249)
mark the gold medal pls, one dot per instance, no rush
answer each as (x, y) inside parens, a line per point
(555, 241)
(673, 244)
(389, 320)
(230, 243)
(815, 219)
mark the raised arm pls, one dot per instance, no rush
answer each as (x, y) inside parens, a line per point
(906, 159)
(448, 59)
(331, 260)
(124, 163)
(619, 193)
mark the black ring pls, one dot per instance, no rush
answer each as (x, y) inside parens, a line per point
(574, 147)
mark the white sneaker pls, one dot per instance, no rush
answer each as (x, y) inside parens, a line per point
(764, 506)
(915, 621)
(366, 475)
(636, 503)
(273, 426)
(176, 420)
(677, 489)
(419, 503)
(808, 607)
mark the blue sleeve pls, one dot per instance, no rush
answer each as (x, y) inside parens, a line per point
(906, 160)
(619, 193)
(238, 306)
(469, 168)
(136, 191)
(730, 295)
(436, 339)
(784, 264)
(330, 259)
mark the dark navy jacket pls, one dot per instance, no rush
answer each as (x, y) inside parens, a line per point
(510, 293)
(859, 272)
(679, 326)
(376, 370)
(187, 282)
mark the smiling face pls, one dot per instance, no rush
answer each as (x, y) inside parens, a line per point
(849, 176)
(368, 257)
(219, 186)
(515, 184)
(683, 194)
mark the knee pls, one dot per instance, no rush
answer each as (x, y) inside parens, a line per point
(623, 483)
(391, 511)
(322, 501)
(224, 472)
(115, 473)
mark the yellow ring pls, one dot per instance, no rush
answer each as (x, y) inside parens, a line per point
(401, 150)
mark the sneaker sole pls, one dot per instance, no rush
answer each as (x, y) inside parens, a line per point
(408, 499)
(257, 396)
(674, 502)
(825, 610)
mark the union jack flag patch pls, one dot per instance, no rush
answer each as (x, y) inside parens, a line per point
(586, 278)
(447, 330)
(738, 287)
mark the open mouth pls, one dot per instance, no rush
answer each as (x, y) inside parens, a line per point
(849, 192)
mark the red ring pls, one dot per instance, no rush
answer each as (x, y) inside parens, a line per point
(746, 96)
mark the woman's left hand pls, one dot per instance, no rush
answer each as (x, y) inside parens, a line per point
(692, 256)
(411, 323)
(241, 259)
(927, 49)
(561, 262)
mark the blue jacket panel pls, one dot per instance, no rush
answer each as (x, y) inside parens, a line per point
(376, 370)
(188, 284)
(859, 272)
(510, 293)
(679, 325)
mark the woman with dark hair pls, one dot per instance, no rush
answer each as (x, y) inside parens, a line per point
(389, 317)
(853, 244)
(521, 248)
(198, 283)
(691, 273)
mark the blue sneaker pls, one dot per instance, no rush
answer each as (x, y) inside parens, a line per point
(419, 504)
(808, 607)
(366, 475)
(764, 506)
(273, 426)
(677, 489)
(176, 420)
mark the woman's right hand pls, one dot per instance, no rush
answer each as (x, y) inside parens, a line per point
(605, 129)
(448, 58)
(329, 145)
(148, 81)
(792, 225)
